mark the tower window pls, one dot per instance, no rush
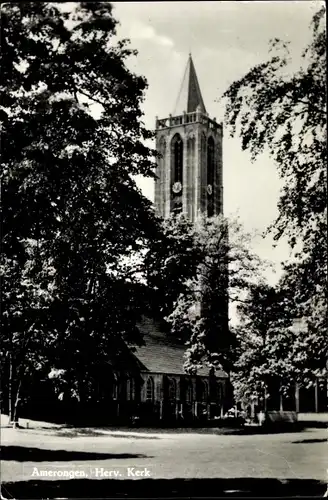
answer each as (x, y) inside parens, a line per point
(177, 147)
(210, 176)
(210, 161)
(176, 173)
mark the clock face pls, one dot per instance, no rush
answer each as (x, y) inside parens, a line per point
(209, 189)
(177, 187)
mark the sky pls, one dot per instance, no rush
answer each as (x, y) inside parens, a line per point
(226, 39)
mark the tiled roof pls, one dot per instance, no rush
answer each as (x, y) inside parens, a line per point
(162, 355)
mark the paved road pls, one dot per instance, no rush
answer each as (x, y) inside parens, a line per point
(286, 456)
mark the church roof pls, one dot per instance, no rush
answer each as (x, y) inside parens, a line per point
(161, 354)
(190, 96)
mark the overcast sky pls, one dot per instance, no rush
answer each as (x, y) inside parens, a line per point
(226, 39)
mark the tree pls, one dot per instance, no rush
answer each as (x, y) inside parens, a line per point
(307, 301)
(285, 113)
(172, 258)
(272, 353)
(195, 273)
(72, 140)
(263, 364)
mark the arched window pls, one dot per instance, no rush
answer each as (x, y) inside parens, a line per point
(203, 390)
(210, 176)
(130, 388)
(189, 391)
(190, 171)
(158, 391)
(161, 160)
(150, 389)
(176, 174)
(172, 389)
(177, 157)
(210, 161)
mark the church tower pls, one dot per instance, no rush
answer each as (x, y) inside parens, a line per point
(189, 171)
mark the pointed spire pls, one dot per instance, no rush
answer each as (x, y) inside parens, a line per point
(190, 97)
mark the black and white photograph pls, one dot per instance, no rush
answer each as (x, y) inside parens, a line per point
(164, 298)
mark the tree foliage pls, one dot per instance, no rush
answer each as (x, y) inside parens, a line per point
(72, 140)
(171, 260)
(263, 347)
(283, 111)
(194, 273)
(286, 113)
(273, 351)
(307, 300)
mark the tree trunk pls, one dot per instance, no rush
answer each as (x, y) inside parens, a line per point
(297, 397)
(316, 396)
(10, 390)
(17, 400)
(265, 399)
(15, 406)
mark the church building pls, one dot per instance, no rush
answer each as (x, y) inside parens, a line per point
(189, 180)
